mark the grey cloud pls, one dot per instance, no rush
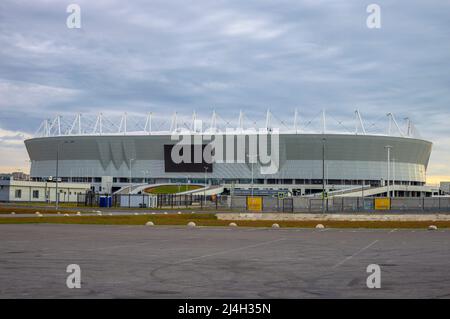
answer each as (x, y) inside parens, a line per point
(227, 55)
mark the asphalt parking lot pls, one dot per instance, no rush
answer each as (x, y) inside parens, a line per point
(214, 262)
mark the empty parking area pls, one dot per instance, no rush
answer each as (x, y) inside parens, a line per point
(216, 262)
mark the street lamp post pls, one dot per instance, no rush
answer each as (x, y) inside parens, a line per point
(57, 171)
(204, 190)
(251, 158)
(131, 184)
(146, 176)
(323, 174)
(252, 179)
(393, 177)
(388, 148)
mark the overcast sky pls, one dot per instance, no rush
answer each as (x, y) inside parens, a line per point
(227, 55)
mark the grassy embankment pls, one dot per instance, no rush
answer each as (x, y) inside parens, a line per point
(31, 210)
(171, 189)
(211, 220)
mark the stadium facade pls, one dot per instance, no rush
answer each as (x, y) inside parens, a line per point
(304, 163)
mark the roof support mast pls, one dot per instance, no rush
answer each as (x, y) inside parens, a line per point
(79, 123)
(123, 123)
(392, 118)
(46, 128)
(58, 117)
(408, 127)
(213, 124)
(58, 126)
(268, 118)
(241, 120)
(100, 123)
(194, 118)
(361, 123)
(125, 120)
(148, 123)
(174, 125)
(324, 124)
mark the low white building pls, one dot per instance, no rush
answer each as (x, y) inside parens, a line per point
(29, 191)
(445, 188)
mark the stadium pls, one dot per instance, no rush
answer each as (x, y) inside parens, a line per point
(115, 156)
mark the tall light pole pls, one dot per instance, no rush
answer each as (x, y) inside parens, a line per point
(323, 174)
(146, 176)
(252, 179)
(251, 157)
(388, 148)
(57, 171)
(393, 177)
(131, 184)
(204, 190)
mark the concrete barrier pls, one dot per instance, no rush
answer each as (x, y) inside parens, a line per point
(337, 217)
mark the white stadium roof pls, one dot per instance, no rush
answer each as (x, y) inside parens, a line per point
(138, 124)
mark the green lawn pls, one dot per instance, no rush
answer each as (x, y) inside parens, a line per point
(171, 189)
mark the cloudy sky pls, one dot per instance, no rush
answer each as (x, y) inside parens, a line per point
(227, 55)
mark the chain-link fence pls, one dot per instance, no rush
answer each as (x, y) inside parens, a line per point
(268, 203)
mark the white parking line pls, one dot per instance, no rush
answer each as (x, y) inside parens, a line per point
(358, 252)
(231, 250)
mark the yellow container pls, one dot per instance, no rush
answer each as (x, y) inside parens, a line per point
(254, 204)
(382, 203)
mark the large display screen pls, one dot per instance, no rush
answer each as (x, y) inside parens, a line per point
(171, 166)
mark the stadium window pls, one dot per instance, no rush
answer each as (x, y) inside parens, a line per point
(35, 194)
(18, 193)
